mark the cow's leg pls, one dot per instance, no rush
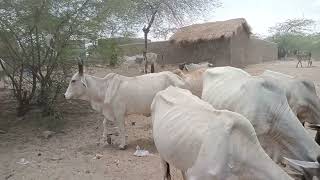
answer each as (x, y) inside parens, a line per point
(184, 176)
(146, 67)
(166, 170)
(310, 63)
(106, 140)
(120, 120)
(299, 62)
(108, 115)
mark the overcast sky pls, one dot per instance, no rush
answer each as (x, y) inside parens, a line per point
(262, 14)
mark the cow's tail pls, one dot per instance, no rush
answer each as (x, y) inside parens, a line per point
(167, 174)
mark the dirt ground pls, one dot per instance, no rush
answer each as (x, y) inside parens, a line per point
(69, 153)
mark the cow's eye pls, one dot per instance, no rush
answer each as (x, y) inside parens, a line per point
(73, 81)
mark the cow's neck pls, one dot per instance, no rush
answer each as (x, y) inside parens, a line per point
(96, 91)
(294, 138)
(248, 158)
(262, 167)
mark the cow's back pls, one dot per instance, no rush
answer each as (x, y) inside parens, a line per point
(222, 85)
(138, 92)
(181, 124)
(282, 80)
(255, 98)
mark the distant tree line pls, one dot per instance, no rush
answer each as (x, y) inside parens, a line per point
(296, 35)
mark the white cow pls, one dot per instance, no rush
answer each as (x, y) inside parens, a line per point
(152, 57)
(116, 96)
(207, 144)
(132, 61)
(152, 60)
(265, 105)
(193, 80)
(301, 95)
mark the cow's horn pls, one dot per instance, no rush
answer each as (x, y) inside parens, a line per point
(313, 126)
(303, 164)
(80, 66)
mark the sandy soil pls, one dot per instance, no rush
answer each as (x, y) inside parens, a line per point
(69, 154)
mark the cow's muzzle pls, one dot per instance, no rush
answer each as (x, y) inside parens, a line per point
(66, 96)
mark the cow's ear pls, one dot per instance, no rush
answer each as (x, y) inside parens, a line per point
(84, 82)
(308, 84)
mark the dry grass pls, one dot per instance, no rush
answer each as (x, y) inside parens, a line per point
(210, 31)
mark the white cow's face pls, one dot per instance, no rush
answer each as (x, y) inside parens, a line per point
(306, 102)
(77, 88)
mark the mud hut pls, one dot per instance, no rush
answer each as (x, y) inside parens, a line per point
(220, 42)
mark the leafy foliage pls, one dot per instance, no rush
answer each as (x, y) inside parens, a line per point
(39, 40)
(293, 26)
(110, 51)
(296, 34)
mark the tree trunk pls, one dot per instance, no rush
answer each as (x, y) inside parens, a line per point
(24, 105)
(145, 31)
(22, 110)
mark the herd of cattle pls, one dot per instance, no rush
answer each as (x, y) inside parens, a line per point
(137, 60)
(215, 123)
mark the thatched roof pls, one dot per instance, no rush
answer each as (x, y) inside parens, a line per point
(210, 31)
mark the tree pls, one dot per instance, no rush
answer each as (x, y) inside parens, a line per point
(37, 37)
(291, 35)
(293, 26)
(109, 50)
(169, 13)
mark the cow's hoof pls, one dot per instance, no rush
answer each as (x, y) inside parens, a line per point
(122, 147)
(105, 143)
